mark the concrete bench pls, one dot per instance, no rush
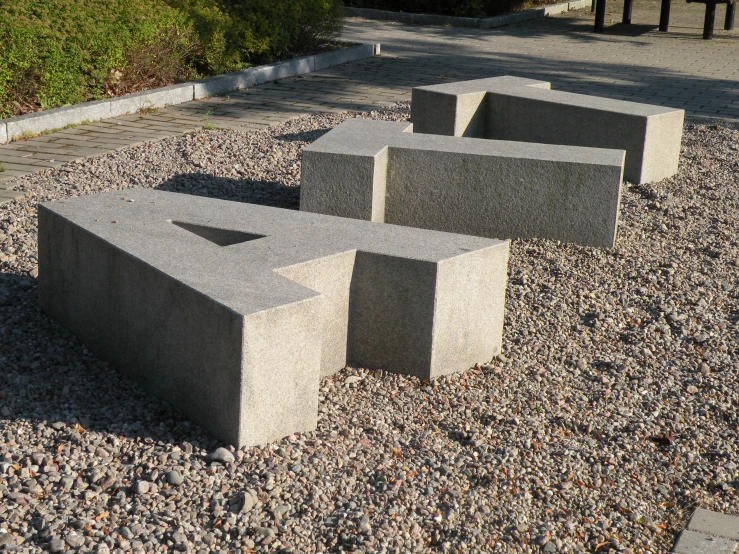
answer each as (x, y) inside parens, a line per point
(512, 108)
(599, 7)
(232, 312)
(710, 18)
(381, 171)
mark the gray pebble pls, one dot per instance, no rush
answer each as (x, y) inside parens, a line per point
(142, 487)
(222, 455)
(174, 478)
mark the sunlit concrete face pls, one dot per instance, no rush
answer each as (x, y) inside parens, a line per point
(232, 312)
(516, 109)
(384, 172)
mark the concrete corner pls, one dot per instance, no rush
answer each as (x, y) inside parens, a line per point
(345, 55)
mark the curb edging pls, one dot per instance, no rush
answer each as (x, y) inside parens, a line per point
(56, 118)
(475, 22)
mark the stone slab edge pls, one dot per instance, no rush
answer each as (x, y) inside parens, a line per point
(477, 22)
(708, 532)
(690, 542)
(56, 118)
(237, 80)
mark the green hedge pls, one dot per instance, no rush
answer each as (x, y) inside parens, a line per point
(459, 8)
(58, 52)
(238, 32)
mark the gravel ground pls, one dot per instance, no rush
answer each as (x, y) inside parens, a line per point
(611, 414)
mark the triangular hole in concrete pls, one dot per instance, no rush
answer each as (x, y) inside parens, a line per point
(221, 237)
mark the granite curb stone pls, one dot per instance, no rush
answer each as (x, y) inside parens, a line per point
(57, 118)
(473, 22)
(382, 171)
(210, 303)
(157, 98)
(527, 110)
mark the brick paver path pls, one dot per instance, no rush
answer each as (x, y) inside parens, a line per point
(634, 62)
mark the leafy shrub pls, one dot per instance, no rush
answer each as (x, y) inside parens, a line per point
(236, 33)
(58, 52)
(460, 8)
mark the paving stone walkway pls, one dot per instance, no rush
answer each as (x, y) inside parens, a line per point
(709, 533)
(633, 62)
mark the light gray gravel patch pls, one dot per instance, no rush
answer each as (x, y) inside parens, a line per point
(611, 413)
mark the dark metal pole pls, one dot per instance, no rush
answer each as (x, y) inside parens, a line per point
(664, 16)
(730, 12)
(709, 21)
(600, 15)
(628, 4)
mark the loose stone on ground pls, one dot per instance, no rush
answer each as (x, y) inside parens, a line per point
(582, 436)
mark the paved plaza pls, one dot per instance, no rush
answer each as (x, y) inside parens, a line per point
(634, 62)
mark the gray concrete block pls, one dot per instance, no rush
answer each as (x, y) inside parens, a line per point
(690, 542)
(554, 9)
(221, 84)
(380, 171)
(354, 53)
(232, 311)
(580, 4)
(509, 108)
(714, 523)
(282, 70)
(35, 123)
(3, 133)
(238, 80)
(156, 98)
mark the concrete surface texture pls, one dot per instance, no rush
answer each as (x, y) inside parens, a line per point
(233, 311)
(381, 171)
(709, 533)
(512, 108)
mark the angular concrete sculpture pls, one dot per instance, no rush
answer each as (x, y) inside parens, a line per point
(511, 108)
(382, 171)
(232, 312)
